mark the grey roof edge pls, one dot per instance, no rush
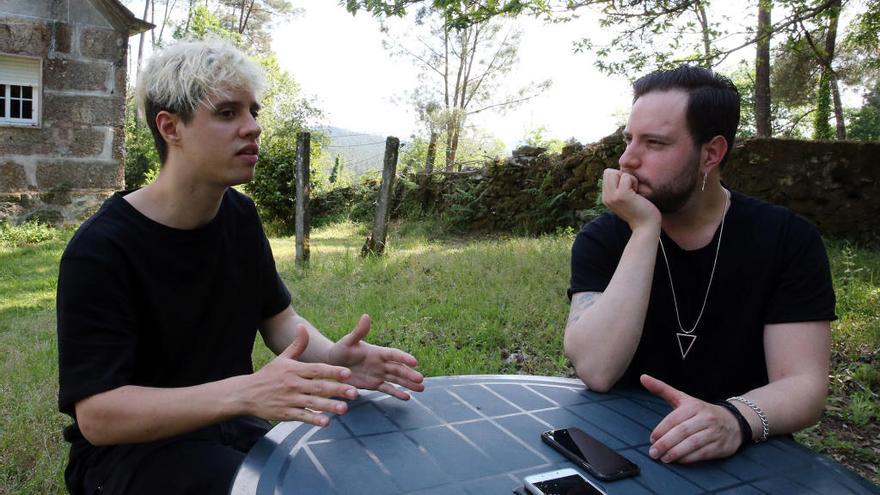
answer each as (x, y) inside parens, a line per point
(121, 18)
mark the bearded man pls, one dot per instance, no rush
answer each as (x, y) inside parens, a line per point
(714, 301)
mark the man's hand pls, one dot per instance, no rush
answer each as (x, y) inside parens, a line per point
(374, 367)
(290, 390)
(620, 195)
(694, 430)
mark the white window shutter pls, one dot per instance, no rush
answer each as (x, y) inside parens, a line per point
(20, 71)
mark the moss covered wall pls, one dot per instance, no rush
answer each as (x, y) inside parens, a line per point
(836, 185)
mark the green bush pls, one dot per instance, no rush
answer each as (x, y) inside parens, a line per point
(141, 157)
(26, 234)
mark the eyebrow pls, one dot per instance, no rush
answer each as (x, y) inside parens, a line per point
(659, 137)
(254, 107)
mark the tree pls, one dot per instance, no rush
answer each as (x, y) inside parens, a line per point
(462, 69)
(432, 116)
(763, 126)
(865, 123)
(285, 112)
(456, 13)
(337, 169)
(635, 47)
(140, 58)
(791, 107)
(477, 146)
(141, 158)
(692, 35)
(252, 19)
(538, 137)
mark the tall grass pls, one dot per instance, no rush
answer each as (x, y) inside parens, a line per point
(490, 305)
(459, 307)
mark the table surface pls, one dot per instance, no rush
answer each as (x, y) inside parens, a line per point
(481, 435)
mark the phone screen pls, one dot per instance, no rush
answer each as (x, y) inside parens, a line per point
(603, 460)
(569, 485)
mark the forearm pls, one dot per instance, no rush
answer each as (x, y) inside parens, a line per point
(278, 332)
(135, 414)
(601, 338)
(798, 362)
(790, 404)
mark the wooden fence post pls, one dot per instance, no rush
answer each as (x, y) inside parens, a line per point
(301, 220)
(375, 243)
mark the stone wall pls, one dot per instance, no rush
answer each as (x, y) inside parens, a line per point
(835, 185)
(62, 170)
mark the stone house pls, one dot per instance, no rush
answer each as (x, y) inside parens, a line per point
(62, 105)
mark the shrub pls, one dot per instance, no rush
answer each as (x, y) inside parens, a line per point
(26, 234)
(141, 157)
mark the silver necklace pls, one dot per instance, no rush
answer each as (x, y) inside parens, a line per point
(686, 338)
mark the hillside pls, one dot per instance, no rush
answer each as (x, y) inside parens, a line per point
(360, 152)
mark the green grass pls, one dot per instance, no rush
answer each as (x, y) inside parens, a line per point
(459, 305)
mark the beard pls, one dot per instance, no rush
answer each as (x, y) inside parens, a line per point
(673, 196)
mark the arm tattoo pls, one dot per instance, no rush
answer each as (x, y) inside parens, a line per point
(579, 303)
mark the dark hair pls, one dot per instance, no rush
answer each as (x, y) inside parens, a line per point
(713, 101)
(152, 109)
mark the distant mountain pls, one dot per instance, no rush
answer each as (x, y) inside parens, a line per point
(360, 152)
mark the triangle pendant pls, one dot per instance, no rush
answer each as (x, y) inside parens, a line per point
(685, 348)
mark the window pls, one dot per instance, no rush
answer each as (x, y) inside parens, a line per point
(20, 91)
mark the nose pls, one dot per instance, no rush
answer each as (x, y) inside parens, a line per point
(251, 128)
(629, 160)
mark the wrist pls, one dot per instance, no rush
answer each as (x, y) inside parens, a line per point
(238, 401)
(646, 229)
(744, 426)
(759, 422)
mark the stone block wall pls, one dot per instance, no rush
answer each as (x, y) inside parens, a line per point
(835, 185)
(61, 171)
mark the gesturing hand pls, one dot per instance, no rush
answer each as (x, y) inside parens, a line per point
(290, 390)
(694, 431)
(374, 367)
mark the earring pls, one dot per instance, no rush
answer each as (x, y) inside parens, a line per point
(705, 176)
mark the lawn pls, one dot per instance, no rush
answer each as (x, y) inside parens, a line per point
(461, 305)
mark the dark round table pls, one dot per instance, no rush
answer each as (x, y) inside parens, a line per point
(481, 435)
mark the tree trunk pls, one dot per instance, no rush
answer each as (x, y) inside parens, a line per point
(704, 27)
(141, 43)
(455, 145)
(762, 71)
(432, 153)
(821, 129)
(838, 107)
(152, 21)
(830, 41)
(450, 153)
(168, 7)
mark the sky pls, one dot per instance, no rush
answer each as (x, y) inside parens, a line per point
(339, 59)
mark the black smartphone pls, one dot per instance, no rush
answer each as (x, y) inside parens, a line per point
(594, 456)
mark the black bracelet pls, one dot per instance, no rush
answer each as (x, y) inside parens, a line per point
(743, 424)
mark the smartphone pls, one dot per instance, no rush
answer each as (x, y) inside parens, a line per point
(587, 452)
(561, 482)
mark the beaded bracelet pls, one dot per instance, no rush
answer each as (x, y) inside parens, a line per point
(744, 426)
(765, 424)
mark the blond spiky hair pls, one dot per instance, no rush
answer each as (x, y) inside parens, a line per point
(186, 74)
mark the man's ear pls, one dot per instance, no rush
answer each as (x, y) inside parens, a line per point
(713, 152)
(167, 123)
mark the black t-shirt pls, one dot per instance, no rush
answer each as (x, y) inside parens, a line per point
(771, 268)
(143, 304)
